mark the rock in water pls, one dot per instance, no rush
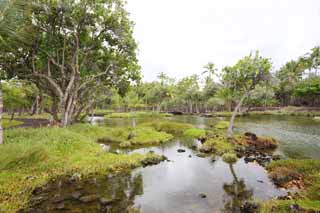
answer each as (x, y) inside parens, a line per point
(202, 195)
(250, 135)
(181, 150)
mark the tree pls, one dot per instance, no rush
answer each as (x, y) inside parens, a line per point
(73, 48)
(10, 19)
(243, 77)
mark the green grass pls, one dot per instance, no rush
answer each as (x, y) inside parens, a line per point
(222, 125)
(130, 137)
(7, 123)
(31, 157)
(219, 146)
(309, 197)
(170, 127)
(28, 116)
(137, 115)
(195, 133)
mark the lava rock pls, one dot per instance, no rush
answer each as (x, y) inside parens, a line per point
(201, 155)
(249, 207)
(60, 206)
(249, 159)
(105, 201)
(57, 198)
(250, 135)
(202, 195)
(89, 198)
(76, 195)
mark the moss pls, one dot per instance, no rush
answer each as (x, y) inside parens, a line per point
(222, 125)
(230, 158)
(304, 174)
(31, 157)
(137, 115)
(195, 133)
(281, 206)
(7, 123)
(168, 126)
(219, 145)
(129, 137)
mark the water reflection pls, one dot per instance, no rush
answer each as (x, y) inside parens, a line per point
(237, 193)
(96, 194)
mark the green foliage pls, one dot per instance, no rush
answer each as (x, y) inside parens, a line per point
(130, 137)
(308, 87)
(230, 158)
(222, 125)
(31, 157)
(17, 95)
(170, 127)
(218, 145)
(195, 133)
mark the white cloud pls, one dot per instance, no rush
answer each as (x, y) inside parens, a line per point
(179, 37)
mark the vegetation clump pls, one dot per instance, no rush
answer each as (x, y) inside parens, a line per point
(222, 125)
(230, 158)
(301, 174)
(129, 137)
(259, 143)
(195, 133)
(137, 115)
(218, 146)
(31, 157)
(170, 127)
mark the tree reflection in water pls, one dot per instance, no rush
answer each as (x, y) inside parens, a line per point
(114, 194)
(237, 193)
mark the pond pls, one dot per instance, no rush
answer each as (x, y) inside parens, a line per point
(188, 183)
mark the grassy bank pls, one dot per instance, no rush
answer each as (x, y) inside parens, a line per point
(170, 127)
(7, 123)
(302, 174)
(287, 111)
(137, 115)
(31, 157)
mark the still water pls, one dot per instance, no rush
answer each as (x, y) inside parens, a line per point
(178, 185)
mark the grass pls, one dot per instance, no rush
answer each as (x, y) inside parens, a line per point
(219, 146)
(222, 125)
(286, 111)
(137, 115)
(31, 157)
(129, 137)
(7, 123)
(195, 133)
(170, 127)
(28, 116)
(309, 170)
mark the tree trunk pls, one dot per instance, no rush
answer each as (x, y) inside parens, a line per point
(234, 113)
(1, 110)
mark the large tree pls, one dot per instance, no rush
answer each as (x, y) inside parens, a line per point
(73, 48)
(243, 77)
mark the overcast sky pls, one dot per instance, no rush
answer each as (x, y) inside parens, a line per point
(179, 37)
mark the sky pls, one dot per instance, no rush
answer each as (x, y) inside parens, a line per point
(178, 37)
